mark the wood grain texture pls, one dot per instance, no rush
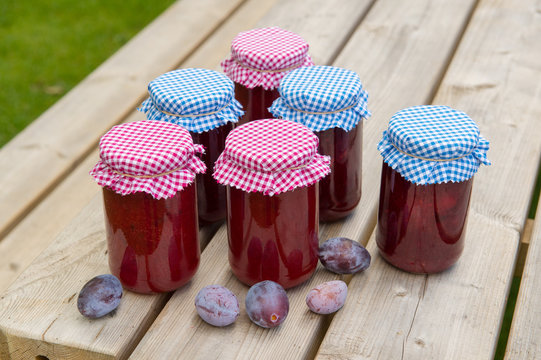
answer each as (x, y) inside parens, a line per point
(325, 25)
(400, 52)
(524, 340)
(178, 332)
(391, 314)
(40, 227)
(38, 313)
(495, 78)
(464, 306)
(51, 146)
(65, 202)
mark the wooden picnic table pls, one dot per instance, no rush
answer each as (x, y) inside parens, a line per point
(482, 57)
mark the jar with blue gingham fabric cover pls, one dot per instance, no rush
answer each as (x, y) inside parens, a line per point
(331, 102)
(430, 155)
(202, 101)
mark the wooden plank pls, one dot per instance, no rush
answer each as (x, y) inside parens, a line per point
(492, 75)
(23, 336)
(400, 62)
(36, 232)
(74, 193)
(38, 313)
(325, 25)
(525, 335)
(178, 331)
(496, 82)
(49, 148)
(390, 314)
(43, 300)
(22, 245)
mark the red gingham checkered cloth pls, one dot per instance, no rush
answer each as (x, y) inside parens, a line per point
(271, 156)
(147, 156)
(258, 57)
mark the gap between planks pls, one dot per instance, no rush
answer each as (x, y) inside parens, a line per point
(523, 247)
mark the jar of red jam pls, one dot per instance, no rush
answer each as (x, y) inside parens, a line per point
(271, 169)
(331, 102)
(430, 155)
(260, 58)
(201, 101)
(147, 170)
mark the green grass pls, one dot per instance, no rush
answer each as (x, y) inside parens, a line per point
(48, 46)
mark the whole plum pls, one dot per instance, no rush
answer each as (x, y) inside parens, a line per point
(267, 304)
(344, 256)
(328, 297)
(217, 305)
(99, 296)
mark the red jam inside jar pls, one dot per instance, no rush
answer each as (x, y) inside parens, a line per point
(255, 102)
(153, 244)
(421, 228)
(273, 237)
(211, 195)
(340, 192)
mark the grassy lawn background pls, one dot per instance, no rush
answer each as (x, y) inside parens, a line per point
(48, 46)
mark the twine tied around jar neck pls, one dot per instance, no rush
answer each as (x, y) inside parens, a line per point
(296, 168)
(288, 169)
(321, 112)
(194, 115)
(293, 67)
(428, 159)
(147, 176)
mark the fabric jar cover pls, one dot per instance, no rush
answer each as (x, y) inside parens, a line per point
(154, 157)
(262, 57)
(196, 99)
(322, 97)
(271, 156)
(433, 144)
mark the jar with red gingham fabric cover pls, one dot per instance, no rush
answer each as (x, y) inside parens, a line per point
(271, 169)
(259, 59)
(147, 170)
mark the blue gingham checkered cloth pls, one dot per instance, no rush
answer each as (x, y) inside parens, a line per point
(433, 144)
(204, 99)
(321, 98)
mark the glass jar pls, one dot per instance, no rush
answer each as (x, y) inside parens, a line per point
(152, 244)
(431, 154)
(211, 195)
(273, 237)
(340, 193)
(331, 102)
(201, 101)
(260, 58)
(271, 169)
(256, 101)
(147, 171)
